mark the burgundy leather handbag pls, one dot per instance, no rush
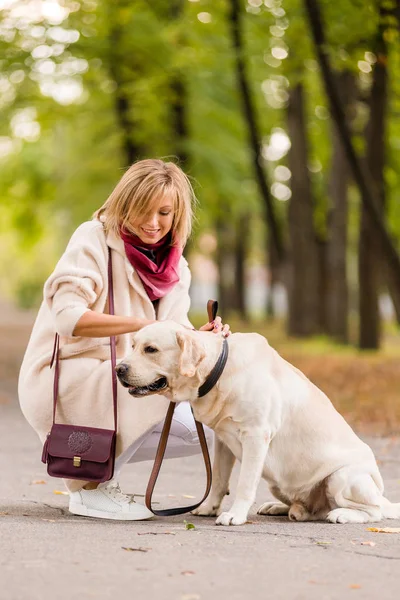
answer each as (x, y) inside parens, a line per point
(77, 452)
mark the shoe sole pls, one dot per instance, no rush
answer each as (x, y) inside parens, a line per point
(83, 511)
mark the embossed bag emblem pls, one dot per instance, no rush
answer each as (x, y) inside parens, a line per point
(79, 442)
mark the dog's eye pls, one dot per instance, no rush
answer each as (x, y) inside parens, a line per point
(150, 349)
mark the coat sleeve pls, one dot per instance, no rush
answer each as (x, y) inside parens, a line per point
(77, 280)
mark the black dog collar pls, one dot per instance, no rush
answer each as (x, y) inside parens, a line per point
(216, 372)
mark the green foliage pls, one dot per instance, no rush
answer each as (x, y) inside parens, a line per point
(62, 143)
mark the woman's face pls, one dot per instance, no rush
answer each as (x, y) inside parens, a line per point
(157, 223)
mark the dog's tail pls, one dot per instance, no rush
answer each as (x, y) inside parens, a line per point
(390, 510)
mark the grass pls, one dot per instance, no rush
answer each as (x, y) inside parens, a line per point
(364, 386)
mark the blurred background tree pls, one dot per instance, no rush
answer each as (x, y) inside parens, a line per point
(234, 91)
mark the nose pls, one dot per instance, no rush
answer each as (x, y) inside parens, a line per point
(122, 369)
(152, 221)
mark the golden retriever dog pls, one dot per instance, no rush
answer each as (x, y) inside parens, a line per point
(271, 418)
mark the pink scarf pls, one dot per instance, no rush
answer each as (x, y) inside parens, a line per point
(158, 277)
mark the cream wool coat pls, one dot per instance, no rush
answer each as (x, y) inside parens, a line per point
(79, 283)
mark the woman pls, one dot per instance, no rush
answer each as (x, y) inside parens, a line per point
(146, 222)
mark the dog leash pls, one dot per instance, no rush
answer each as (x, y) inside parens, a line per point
(212, 308)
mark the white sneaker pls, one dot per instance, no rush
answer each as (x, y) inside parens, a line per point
(107, 502)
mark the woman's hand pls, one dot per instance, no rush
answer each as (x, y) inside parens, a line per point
(216, 326)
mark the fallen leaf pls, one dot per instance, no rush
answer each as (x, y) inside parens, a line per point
(157, 533)
(187, 496)
(60, 493)
(38, 482)
(4, 514)
(372, 544)
(323, 543)
(49, 520)
(135, 549)
(190, 597)
(189, 525)
(354, 586)
(384, 529)
(188, 573)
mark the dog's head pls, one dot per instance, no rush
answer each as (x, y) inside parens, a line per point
(165, 359)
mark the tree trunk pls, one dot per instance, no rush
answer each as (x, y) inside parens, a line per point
(226, 266)
(254, 135)
(304, 264)
(337, 303)
(122, 105)
(393, 287)
(179, 101)
(242, 244)
(276, 275)
(370, 258)
(323, 281)
(361, 176)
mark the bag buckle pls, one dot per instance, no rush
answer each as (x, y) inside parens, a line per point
(77, 461)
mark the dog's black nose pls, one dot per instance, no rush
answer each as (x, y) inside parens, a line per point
(122, 369)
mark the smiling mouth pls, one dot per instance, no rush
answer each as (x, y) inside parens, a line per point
(150, 231)
(152, 388)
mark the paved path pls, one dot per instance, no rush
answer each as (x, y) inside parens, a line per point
(48, 554)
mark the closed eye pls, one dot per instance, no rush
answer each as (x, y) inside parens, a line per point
(150, 349)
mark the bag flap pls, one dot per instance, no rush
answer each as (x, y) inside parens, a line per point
(90, 443)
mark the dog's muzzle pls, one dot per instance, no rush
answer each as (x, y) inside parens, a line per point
(159, 384)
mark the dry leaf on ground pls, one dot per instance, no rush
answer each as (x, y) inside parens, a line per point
(60, 493)
(323, 543)
(384, 529)
(187, 496)
(188, 573)
(157, 533)
(368, 544)
(355, 586)
(128, 549)
(38, 482)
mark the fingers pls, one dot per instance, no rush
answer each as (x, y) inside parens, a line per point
(207, 327)
(226, 330)
(217, 326)
(220, 328)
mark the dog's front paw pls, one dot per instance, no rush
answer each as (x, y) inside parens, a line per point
(231, 518)
(207, 509)
(348, 515)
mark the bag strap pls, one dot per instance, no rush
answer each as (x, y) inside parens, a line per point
(212, 308)
(56, 350)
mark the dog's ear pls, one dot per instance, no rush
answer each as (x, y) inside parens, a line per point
(192, 353)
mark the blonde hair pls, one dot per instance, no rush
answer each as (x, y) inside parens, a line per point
(146, 181)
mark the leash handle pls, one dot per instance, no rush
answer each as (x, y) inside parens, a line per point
(212, 309)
